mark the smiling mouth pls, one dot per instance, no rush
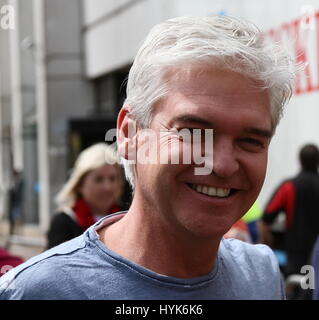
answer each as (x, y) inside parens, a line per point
(212, 191)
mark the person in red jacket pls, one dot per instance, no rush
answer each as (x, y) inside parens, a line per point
(298, 198)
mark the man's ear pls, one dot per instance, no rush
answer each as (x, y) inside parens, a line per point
(126, 134)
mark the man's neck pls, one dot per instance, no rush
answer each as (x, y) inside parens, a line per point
(146, 242)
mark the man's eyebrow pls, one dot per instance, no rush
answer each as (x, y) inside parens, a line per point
(260, 132)
(191, 119)
(197, 120)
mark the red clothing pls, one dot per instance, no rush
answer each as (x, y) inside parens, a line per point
(84, 216)
(283, 200)
(298, 198)
(65, 227)
(241, 225)
(8, 261)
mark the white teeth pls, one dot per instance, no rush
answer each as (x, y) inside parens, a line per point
(220, 192)
(198, 188)
(211, 191)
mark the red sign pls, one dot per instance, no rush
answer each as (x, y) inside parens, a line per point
(301, 36)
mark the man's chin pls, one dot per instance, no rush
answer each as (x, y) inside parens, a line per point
(207, 230)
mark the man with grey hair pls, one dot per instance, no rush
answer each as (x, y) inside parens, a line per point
(193, 74)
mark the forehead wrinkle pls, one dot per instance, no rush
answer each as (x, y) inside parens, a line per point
(193, 101)
(181, 77)
(183, 98)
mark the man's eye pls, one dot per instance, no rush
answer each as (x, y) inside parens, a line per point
(192, 134)
(251, 142)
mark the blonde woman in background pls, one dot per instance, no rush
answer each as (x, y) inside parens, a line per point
(92, 192)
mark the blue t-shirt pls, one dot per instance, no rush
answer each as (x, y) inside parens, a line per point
(84, 268)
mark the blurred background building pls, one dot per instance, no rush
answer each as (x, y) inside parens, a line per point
(62, 82)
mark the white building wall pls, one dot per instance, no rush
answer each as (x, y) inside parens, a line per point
(113, 42)
(96, 9)
(5, 115)
(16, 97)
(41, 88)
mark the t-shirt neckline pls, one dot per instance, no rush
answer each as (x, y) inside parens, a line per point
(147, 273)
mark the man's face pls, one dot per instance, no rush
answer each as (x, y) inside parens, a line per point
(239, 114)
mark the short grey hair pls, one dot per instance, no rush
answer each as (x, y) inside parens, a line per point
(221, 41)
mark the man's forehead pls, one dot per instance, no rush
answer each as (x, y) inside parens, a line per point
(201, 79)
(182, 110)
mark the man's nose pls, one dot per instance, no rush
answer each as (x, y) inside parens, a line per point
(225, 163)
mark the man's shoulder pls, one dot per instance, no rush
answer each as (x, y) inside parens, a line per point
(257, 257)
(253, 269)
(38, 275)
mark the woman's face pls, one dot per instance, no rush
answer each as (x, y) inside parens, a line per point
(101, 187)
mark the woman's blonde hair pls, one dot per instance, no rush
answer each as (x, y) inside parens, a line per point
(89, 159)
